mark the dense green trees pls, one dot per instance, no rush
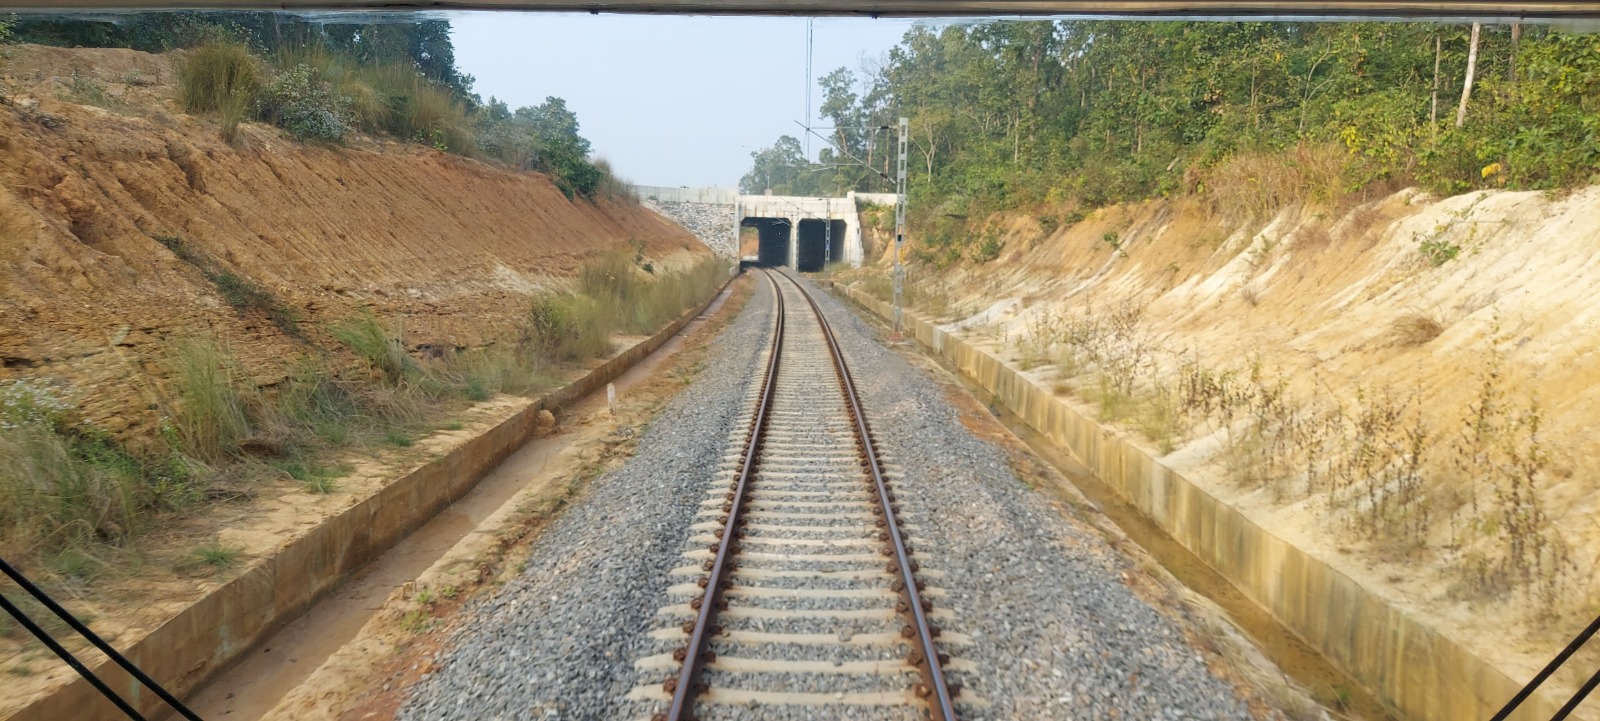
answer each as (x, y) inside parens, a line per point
(781, 168)
(543, 137)
(374, 40)
(1012, 113)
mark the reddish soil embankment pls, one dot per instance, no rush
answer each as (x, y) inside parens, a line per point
(97, 162)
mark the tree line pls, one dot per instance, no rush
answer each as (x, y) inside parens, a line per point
(1011, 113)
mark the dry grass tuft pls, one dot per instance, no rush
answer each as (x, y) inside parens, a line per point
(1414, 329)
(223, 78)
(1258, 184)
(1314, 236)
(1366, 222)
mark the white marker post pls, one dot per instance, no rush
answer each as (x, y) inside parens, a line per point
(900, 229)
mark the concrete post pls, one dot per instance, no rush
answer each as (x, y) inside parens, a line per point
(794, 242)
(853, 252)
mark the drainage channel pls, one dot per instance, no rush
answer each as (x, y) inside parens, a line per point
(251, 688)
(1327, 684)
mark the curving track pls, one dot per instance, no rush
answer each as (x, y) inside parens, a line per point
(803, 596)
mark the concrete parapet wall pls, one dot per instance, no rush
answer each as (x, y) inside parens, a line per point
(778, 206)
(718, 196)
(208, 634)
(874, 198)
(1410, 665)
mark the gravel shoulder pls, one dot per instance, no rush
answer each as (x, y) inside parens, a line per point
(559, 641)
(1057, 633)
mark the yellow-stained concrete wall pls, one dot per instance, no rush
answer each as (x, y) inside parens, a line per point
(202, 639)
(1410, 665)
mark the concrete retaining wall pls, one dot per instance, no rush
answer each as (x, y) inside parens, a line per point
(199, 641)
(1408, 664)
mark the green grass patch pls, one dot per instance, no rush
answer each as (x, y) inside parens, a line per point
(210, 418)
(369, 339)
(222, 78)
(216, 556)
(240, 293)
(71, 497)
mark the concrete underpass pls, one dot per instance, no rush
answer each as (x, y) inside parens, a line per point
(773, 239)
(804, 233)
(818, 244)
(808, 245)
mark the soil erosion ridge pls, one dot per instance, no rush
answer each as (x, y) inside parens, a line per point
(109, 211)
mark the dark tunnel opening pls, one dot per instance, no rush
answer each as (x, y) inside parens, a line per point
(821, 242)
(811, 253)
(772, 244)
(836, 248)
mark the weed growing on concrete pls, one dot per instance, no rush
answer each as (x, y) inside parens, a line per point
(216, 556)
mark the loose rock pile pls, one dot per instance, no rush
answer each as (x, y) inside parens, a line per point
(710, 222)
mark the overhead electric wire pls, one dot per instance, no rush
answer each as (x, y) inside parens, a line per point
(94, 639)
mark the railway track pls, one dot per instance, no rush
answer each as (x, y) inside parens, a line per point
(802, 595)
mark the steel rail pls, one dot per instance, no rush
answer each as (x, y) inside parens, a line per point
(925, 657)
(687, 684)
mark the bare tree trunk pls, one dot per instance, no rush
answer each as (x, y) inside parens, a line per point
(1433, 111)
(1511, 67)
(1472, 69)
(1016, 142)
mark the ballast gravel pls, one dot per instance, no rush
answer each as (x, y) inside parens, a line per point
(1050, 630)
(1055, 632)
(559, 642)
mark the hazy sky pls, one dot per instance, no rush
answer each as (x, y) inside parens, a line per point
(668, 100)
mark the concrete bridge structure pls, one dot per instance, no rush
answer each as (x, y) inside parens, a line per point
(803, 233)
